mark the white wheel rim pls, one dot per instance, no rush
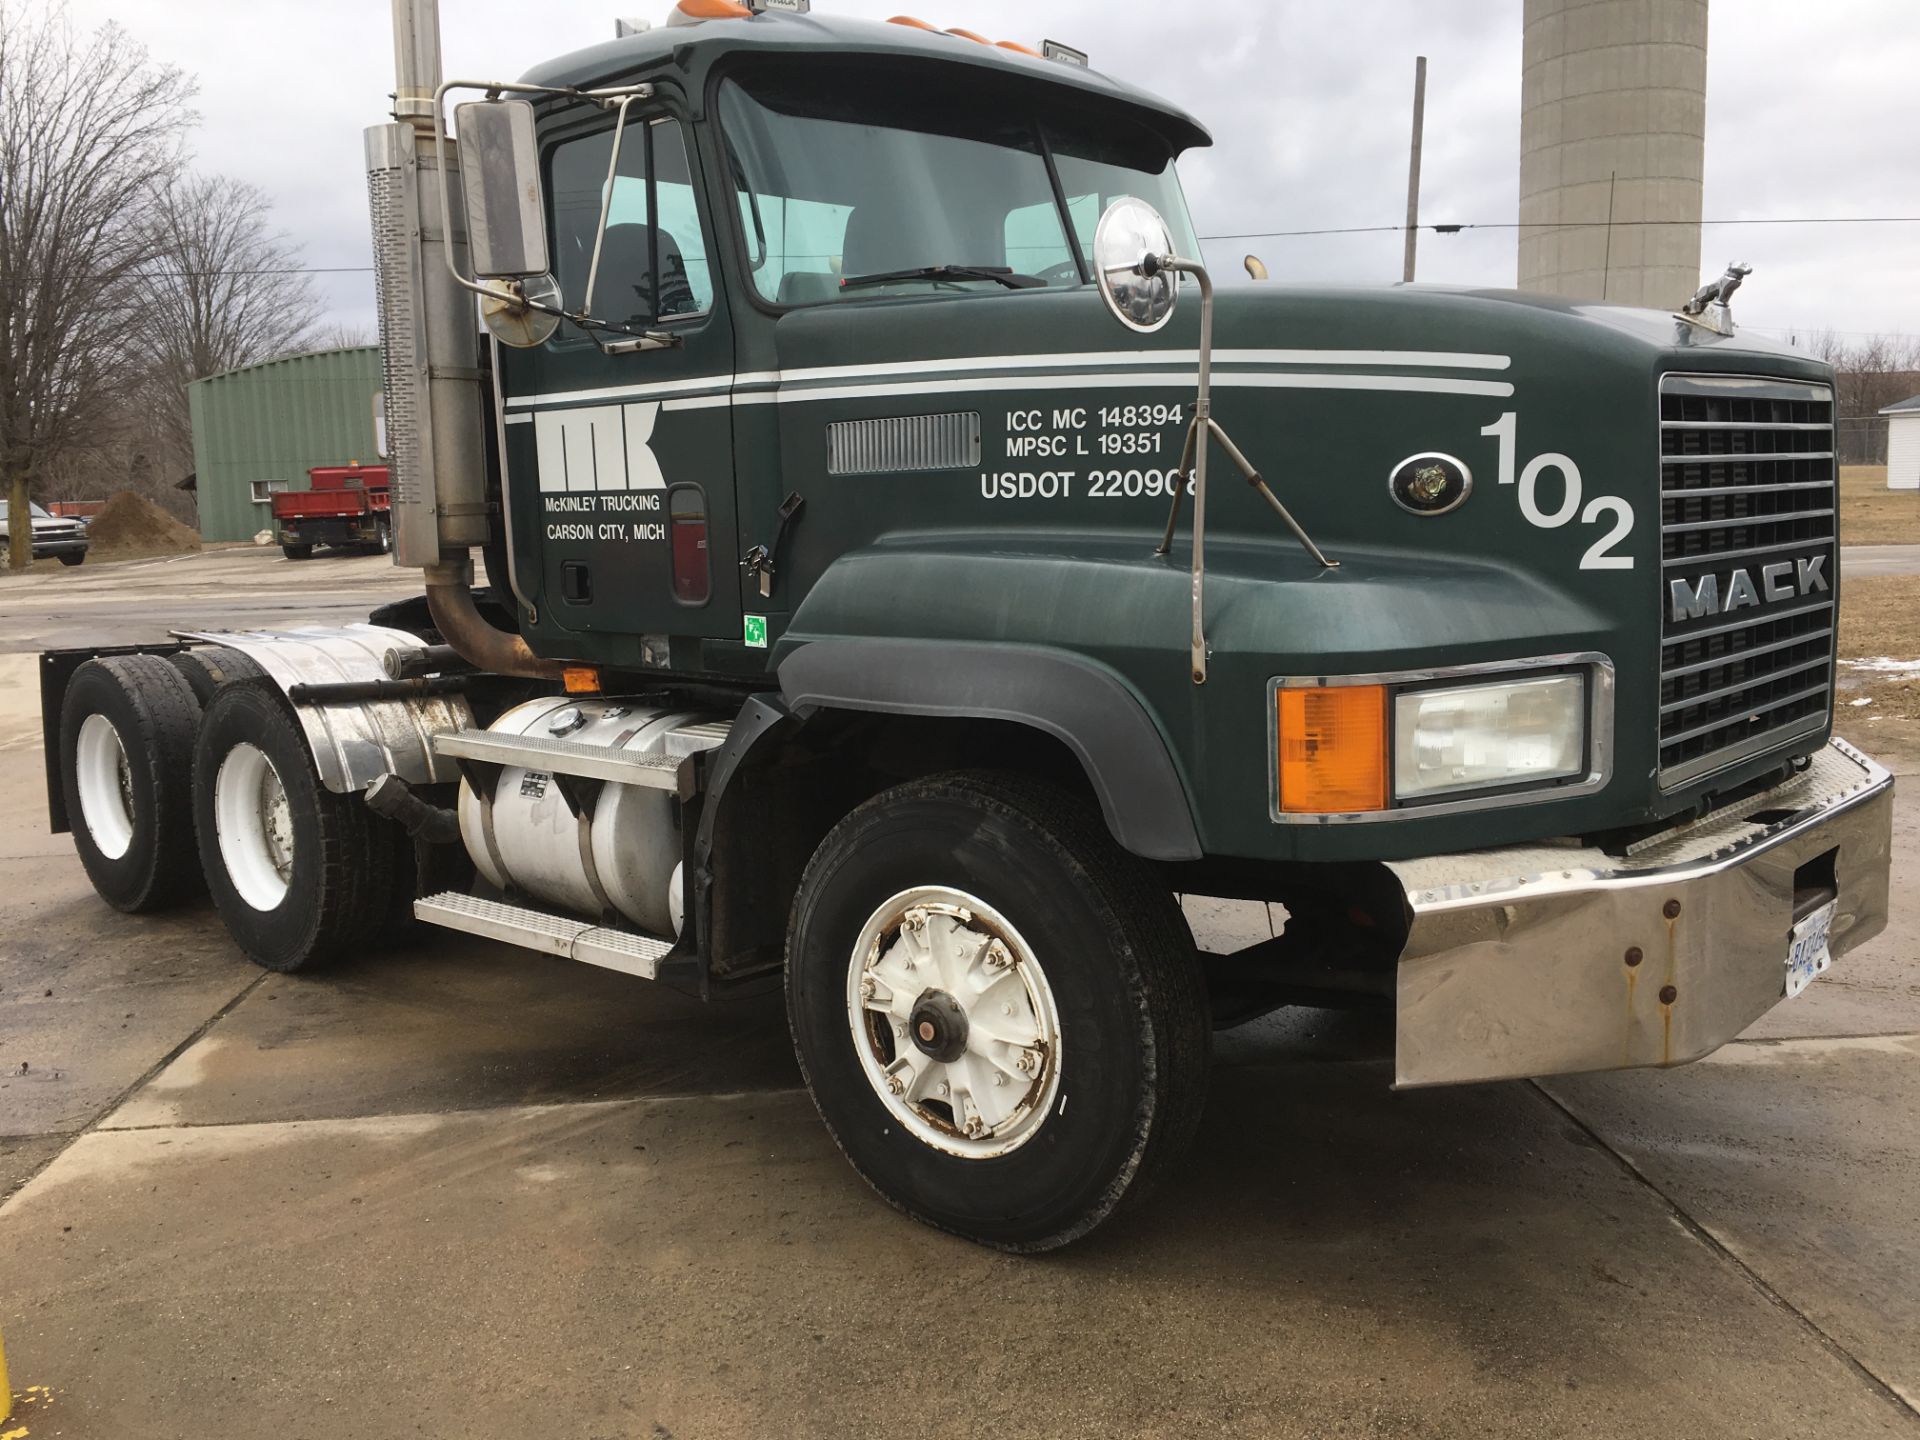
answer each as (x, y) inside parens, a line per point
(255, 826)
(105, 785)
(954, 1022)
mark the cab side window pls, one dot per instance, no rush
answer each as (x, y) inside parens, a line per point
(653, 257)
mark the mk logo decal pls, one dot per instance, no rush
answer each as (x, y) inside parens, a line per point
(1782, 580)
(601, 447)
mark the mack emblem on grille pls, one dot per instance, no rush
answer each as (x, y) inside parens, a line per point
(1782, 580)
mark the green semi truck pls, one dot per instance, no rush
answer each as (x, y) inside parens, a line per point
(907, 578)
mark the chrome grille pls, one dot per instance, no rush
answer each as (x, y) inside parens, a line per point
(1748, 563)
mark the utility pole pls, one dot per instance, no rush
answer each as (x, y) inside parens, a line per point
(1413, 166)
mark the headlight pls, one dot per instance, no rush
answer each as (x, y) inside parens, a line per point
(1476, 737)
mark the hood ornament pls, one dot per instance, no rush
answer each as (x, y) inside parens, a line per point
(1708, 308)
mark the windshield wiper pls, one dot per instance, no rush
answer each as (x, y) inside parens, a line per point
(999, 274)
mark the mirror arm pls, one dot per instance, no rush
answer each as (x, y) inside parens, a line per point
(1202, 431)
(606, 199)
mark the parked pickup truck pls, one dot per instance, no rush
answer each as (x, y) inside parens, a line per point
(345, 508)
(52, 535)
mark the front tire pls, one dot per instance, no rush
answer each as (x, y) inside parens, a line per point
(299, 874)
(999, 1012)
(126, 755)
(72, 557)
(297, 552)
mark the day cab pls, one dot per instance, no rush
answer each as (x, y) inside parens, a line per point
(910, 578)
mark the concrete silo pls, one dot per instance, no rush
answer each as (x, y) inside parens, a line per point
(1613, 109)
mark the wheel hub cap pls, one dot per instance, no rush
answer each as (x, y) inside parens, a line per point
(954, 1022)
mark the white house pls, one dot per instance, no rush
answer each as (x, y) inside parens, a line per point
(1903, 444)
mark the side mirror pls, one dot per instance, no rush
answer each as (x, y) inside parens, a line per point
(500, 171)
(1129, 245)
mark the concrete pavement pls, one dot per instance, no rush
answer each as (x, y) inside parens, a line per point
(458, 1190)
(138, 601)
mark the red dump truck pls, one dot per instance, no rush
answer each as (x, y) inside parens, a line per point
(344, 506)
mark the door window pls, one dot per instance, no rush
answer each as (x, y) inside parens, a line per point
(653, 256)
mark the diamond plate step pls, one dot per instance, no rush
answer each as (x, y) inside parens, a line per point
(564, 757)
(561, 935)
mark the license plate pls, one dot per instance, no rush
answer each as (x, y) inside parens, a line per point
(1807, 953)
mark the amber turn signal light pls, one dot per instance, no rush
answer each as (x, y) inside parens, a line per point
(1332, 745)
(581, 679)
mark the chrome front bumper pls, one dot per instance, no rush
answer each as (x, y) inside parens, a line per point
(1552, 959)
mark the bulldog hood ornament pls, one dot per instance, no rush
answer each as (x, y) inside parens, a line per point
(1708, 307)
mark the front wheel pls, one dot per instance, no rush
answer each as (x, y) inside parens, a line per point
(297, 552)
(72, 557)
(998, 1011)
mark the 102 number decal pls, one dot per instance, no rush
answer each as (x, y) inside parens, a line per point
(1601, 554)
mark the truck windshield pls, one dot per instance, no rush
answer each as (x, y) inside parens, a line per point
(861, 180)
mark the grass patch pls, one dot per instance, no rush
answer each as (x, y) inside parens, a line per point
(1871, 514)
(1879, 619)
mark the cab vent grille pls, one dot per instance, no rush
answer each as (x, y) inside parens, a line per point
(904, 442)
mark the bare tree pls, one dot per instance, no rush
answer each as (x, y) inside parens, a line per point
(1870, 373)
(342, 335)
(222, 289)
(90, 130)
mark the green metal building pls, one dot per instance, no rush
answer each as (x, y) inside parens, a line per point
(260, 428)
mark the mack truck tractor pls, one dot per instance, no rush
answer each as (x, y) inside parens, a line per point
(906, 579)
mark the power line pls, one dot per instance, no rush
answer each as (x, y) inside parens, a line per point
(1568, 225)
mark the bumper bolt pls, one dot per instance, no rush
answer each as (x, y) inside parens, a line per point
(1634, 956)
(1671, 910)
(1668, 994)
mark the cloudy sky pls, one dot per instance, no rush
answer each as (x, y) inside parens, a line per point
(1812, 110)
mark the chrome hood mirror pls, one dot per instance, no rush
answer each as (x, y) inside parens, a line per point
(1130, 247)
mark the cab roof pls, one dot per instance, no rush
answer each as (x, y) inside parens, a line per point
(696, 47)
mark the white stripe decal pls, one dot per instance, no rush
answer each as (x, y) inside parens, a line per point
(910, 371)
(1428, 384)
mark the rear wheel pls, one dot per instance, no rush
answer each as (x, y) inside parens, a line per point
(299, 874)
(999, 1013)
(126, 753)
(211, 666)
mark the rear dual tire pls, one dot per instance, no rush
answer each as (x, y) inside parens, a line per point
(127, 728)
(300, 875)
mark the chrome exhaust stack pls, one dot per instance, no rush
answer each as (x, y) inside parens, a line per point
(429, 335)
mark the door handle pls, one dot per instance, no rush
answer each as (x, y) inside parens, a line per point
(758, 561)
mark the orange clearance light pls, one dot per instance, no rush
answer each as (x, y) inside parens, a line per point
(714, 10)
(1015, 45)
(969, 35)
(1333, 749)
(915, 24)
(581, 679)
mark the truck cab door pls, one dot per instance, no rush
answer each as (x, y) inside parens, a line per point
(620, 467)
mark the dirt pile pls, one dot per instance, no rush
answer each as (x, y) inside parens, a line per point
(132, 522)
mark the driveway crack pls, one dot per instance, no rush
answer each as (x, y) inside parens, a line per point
(1706, 1237)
